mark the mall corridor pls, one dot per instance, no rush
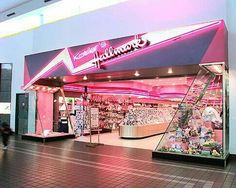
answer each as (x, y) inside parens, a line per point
(73, 164)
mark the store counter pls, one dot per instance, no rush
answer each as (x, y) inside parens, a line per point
(126, 131)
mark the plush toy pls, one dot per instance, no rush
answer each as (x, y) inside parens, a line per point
(210, 114)
(215, 153)
(190, 151)
(179, 134)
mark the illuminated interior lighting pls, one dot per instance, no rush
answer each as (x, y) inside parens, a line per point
(31, 87)
(55, 77)
(48, 14)
(136, 74)
(140, 97)
(109, 77)
(49, 89)
(85, 78)
(216, 68)
(37, 88)
(64, 80)
(170, 71)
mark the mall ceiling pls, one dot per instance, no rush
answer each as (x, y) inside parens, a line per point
(9, 4)
(13, 8)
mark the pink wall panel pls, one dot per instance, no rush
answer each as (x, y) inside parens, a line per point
(44, 112)
(174, 89)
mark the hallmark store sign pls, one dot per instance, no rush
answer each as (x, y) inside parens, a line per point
(81, 59)
(103, 52)
(171, 48)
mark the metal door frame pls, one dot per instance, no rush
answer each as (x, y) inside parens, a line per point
(16, 110)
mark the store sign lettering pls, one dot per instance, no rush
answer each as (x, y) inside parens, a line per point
(89, 50)
(111, 52)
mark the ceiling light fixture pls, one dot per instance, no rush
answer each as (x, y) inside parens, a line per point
(136, 74)
(170, 71)
(85, 77)
(109, 77)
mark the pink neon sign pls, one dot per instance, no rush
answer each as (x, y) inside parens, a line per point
(87, 59)
(111, 52)
(90, 50)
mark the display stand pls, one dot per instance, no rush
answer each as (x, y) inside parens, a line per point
(94, 127)
(70, 126)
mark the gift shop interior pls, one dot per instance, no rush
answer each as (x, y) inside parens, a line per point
(178, 107)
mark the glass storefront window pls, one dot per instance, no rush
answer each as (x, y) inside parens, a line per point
(197, 128)
(5, 91)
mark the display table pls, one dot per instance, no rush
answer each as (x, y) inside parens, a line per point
(129, 131)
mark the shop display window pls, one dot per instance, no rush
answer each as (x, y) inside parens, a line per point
(198, 126)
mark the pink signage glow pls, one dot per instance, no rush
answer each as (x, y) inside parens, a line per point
(98, 55)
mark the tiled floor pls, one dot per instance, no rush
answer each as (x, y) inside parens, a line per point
(113, 139)
(68, 164)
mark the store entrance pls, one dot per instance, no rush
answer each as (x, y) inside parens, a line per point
(130, 113)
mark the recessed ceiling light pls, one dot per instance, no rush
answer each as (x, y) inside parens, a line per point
(136, 74)
(109, 76)
(170, 71)
(85, 77)
(55, 77)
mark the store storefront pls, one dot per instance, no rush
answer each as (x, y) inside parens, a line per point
(169, 83)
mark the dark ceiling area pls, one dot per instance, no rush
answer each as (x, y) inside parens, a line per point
(163, 72)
